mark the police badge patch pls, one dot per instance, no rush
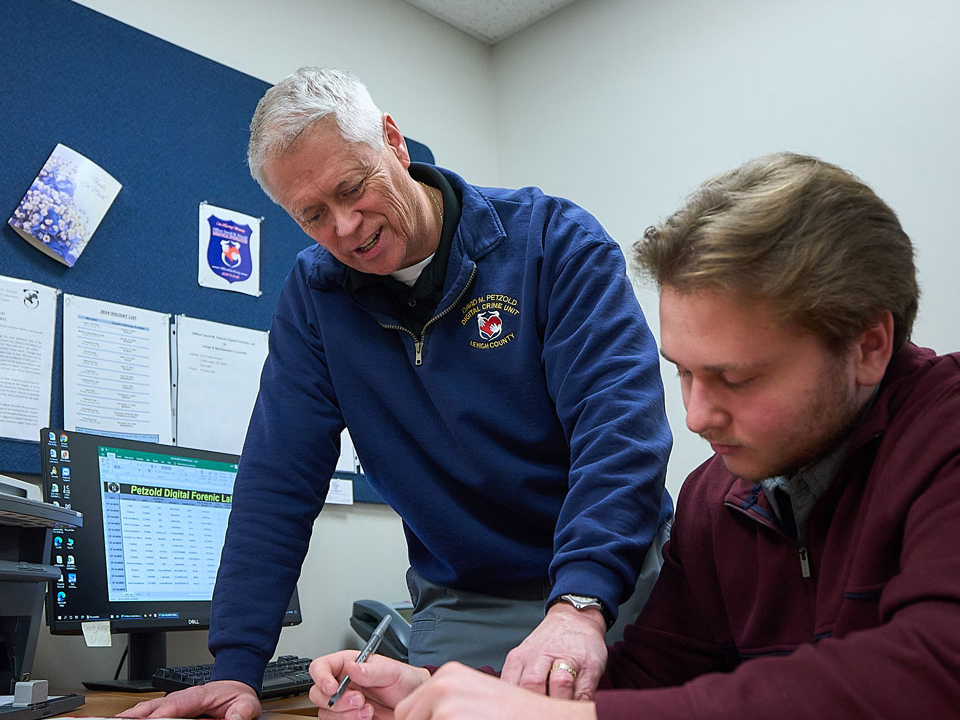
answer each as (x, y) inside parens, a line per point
(228, 250)
(228, 253)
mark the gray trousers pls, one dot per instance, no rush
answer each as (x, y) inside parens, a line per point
(479, 629)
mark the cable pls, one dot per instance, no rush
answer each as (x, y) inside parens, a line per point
(123, 657)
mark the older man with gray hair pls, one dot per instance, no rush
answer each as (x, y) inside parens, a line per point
(486, 351)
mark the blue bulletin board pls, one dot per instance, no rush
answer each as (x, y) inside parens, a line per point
(172, 127)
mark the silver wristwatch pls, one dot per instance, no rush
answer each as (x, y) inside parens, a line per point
(582, 602)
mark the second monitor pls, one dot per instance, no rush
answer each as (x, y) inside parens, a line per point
(145, 560)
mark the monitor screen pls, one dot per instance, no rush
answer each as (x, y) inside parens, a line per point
(154, 518)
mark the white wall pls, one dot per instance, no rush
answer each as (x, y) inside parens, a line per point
(437, 83)
(626, 106)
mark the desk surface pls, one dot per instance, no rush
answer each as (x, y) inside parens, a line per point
(108, 704)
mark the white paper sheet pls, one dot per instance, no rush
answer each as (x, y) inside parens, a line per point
(347, 462)
(116, 370)
(340, 492)
(218, 377)
(28, 320)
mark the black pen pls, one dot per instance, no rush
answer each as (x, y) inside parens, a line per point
(371, 647)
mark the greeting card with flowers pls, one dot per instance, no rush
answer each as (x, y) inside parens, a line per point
(64, 205)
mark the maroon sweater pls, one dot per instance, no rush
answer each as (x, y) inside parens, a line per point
(734, 630)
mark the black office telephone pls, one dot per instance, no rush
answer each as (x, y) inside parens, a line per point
(367, 615)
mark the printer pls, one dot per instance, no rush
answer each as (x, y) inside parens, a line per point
(26, 535)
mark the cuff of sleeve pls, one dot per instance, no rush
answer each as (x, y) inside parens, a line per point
(588, 578)
(241, 664)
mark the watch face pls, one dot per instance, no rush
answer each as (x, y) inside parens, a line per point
(581, 602)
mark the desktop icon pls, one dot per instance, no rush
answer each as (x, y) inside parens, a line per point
(57, 541)
(64, 454)
(54, 488)
(52, 437)
(72, 578)
(59, 560)
(57, 503)
(63, 437)
(66, 490)
(69, 542)
(68, 506)
(61, 597)
(53, 470)
(66, 472)
(70, 560)
(53, 454)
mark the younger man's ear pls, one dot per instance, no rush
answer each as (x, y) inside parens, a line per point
(873, 350)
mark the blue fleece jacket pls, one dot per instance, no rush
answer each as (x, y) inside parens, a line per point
(521, 435)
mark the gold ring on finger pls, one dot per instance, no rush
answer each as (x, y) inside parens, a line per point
(567, 667)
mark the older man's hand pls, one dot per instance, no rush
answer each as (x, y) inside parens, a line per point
(220, 699)
(563, 657)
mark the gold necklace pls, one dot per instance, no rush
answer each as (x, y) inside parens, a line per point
(436, 203)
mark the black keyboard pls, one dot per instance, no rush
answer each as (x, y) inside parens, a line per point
(287, 675)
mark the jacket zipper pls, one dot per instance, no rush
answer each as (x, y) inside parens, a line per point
(418, 341)
(802, 551)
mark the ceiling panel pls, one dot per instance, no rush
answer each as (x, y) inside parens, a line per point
(490, 20)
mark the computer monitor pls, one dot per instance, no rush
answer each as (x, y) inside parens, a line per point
(147, 555)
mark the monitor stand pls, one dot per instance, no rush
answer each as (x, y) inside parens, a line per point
(147, 652)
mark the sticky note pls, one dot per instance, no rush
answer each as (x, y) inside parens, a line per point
(96, 634)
